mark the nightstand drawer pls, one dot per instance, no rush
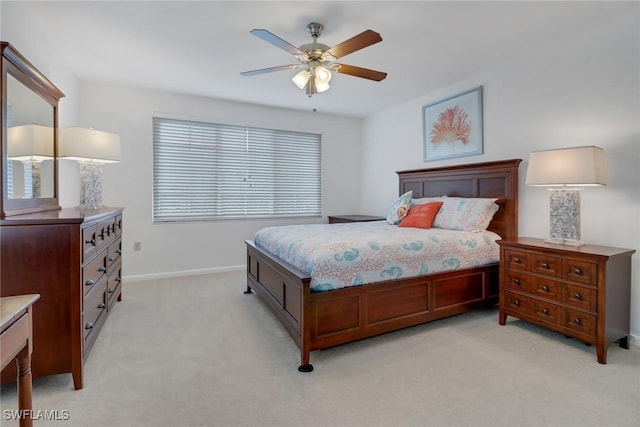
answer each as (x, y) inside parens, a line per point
(580, 271)
(546, 311)
(580, 321)
(579, 296)
(546, 288)
(517, 281)
(516, 259)
(547, 265)
(516, 302)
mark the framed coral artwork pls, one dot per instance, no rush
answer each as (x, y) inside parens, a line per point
(452, 127)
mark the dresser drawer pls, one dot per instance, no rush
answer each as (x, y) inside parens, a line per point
(516, 259)
(580, 271)
(547, 265)
(579, 296)
(89, 242)
(580, 321)
(114, 252)
(516, 302)
(546, 288)
(113, 282)
(94, 306)
(517, 281)
(546, 311)
(92, 272)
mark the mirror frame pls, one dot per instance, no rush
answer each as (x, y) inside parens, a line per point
(21, 69)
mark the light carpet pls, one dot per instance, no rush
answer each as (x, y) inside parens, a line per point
(196, 351)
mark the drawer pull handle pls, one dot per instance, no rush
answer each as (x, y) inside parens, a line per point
(516, 260)
(111, 290)
(111, 258)
(577, 296)
(516, 281)
(545, 265)
(89, 282)
(545, 288)
(101, 305)
(577, 271)
(578, 321)
(91, 242)
(118, 251)
(545, 311)
(88, 325)
(117, 279)
(102, 269)
(517, 302)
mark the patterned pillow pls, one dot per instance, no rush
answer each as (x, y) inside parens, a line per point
(468, 214)
(399, 208)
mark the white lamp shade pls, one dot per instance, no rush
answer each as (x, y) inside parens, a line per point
(575, 166)
(89, 145)
(30, 142)
(301, 78)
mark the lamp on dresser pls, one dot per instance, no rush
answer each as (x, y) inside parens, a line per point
(565, 171)
(92, 149)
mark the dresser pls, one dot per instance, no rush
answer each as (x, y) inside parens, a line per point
(582, 292)
(73, 259)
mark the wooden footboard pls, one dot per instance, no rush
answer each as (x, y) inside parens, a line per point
(325, 319)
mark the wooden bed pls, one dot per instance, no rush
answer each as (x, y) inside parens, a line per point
(326, 319)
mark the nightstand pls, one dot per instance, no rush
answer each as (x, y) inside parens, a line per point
(580, 291)
(335, 219)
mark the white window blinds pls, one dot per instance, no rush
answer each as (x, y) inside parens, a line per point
(204, 171)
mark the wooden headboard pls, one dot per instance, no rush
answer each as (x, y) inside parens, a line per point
(497, 179)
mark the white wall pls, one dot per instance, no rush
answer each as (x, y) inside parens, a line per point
(584, 91)
(179, 248)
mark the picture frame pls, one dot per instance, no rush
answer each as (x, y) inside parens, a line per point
(452, 127)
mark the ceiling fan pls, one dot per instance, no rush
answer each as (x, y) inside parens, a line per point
(318, 60)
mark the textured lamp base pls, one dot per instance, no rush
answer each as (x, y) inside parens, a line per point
(90, 185)
(564, 207)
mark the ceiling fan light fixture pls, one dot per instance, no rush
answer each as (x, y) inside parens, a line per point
(323, 75)
(301, 78)
(322, 86)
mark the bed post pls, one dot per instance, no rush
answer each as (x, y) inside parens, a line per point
(305, 327)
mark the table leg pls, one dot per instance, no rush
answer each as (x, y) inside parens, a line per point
(23, 361)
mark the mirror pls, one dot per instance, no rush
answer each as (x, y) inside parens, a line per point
(29, 137)
(30, 144)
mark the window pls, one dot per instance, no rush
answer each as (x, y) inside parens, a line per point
(204, 171)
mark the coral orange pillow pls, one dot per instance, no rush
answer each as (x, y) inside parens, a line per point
(421, 216)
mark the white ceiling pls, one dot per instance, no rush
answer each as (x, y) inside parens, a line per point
(201, 47)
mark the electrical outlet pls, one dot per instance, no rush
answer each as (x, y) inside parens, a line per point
(137, 246)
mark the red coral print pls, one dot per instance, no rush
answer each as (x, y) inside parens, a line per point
(452, 126)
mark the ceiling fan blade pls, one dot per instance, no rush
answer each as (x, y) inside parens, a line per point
(365, 73)
(360, 41)
(276, 41)
(270, 69)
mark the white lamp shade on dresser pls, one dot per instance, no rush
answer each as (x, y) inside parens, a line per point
(89, 145)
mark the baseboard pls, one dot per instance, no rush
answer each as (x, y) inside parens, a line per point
(183, 273)
(635, 340)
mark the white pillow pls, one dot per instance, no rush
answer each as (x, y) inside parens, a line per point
(467, 214)
(399, 208)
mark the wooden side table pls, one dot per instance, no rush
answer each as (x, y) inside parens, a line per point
(16, 343)
(336, 219)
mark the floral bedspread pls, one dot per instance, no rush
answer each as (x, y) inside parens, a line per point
(351, 254)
